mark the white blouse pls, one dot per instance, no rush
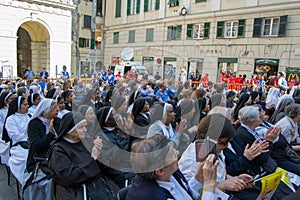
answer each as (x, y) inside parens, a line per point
(16, 126)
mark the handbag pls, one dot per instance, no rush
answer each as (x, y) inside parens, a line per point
(292, 155)
(41, 186)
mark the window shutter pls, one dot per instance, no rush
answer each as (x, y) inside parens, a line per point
(169, 33)
(282, 26)
(87, 21)
(146, 5)
(80, 42)
(206, 30)
(257, 27)
(241, 28)
(118, 8)
(149, 34)
(178, 32)
(131, 37)
(220, 29)
(92, 43)
(128, 7)
(157, 5)
(116, 37)
(200, 1)
(189, 31)
(138, 5)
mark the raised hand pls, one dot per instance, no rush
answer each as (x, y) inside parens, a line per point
(181, 126)
(255, 149)
(97, 148)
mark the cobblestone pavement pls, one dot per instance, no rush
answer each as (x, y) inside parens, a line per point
(7, 192)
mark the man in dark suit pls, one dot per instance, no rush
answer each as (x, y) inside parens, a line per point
(44, 73)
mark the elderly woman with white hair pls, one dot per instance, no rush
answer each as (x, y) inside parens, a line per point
(289, 127)
(41, 133)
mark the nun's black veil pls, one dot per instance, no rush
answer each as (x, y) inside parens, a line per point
(68, 121)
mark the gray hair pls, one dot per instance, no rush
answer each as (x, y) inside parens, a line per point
(248, 115)
(292, 110)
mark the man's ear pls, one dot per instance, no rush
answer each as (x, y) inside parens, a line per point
(159, 172)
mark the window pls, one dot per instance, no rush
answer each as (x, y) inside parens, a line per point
(118, 8)
(151, 5)
(87, 21)
(131, 36)
(174, 32)
(84, 42)
(200, 1)
(149, 34)
(116, 38)
(173, 3)
(99, 8)
(198, 31)
(270, 26)
(133, 7)
(275, 26)
(231, 29)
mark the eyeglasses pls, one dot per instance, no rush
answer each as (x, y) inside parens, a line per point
(223, 143)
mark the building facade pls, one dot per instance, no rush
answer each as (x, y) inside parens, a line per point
(35, 34)
(205, 36)
(87, 30)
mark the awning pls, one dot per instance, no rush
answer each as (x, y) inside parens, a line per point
(227, 60)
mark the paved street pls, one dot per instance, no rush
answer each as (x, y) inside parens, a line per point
(7, 192)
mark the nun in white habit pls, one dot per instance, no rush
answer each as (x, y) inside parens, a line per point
(15, 127)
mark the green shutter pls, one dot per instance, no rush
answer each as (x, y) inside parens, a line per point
(282, 26)
(118, 8)
(146, 5)
(189, 31)
(206, 30)
(220, 29)
(138, 5)
(80, 42)
(200, 1)
(157, 4)
(92, 43)
(131, 37)
(257, 27)
(128, 7)
(241, 28)
(116, 38)
(178, 32)
(149, 34)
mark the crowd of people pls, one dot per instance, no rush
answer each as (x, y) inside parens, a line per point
(141, 135)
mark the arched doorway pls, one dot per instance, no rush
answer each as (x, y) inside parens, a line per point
(32, 48)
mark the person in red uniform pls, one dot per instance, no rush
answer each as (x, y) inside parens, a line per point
(223, 78)
(231, 82)
(205, 79)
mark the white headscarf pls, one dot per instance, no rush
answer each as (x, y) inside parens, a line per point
(285, 96)
(273, 96)
(43, 108)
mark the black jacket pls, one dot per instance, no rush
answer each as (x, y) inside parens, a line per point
(150, 190)
(39, 142)
(263, 160)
